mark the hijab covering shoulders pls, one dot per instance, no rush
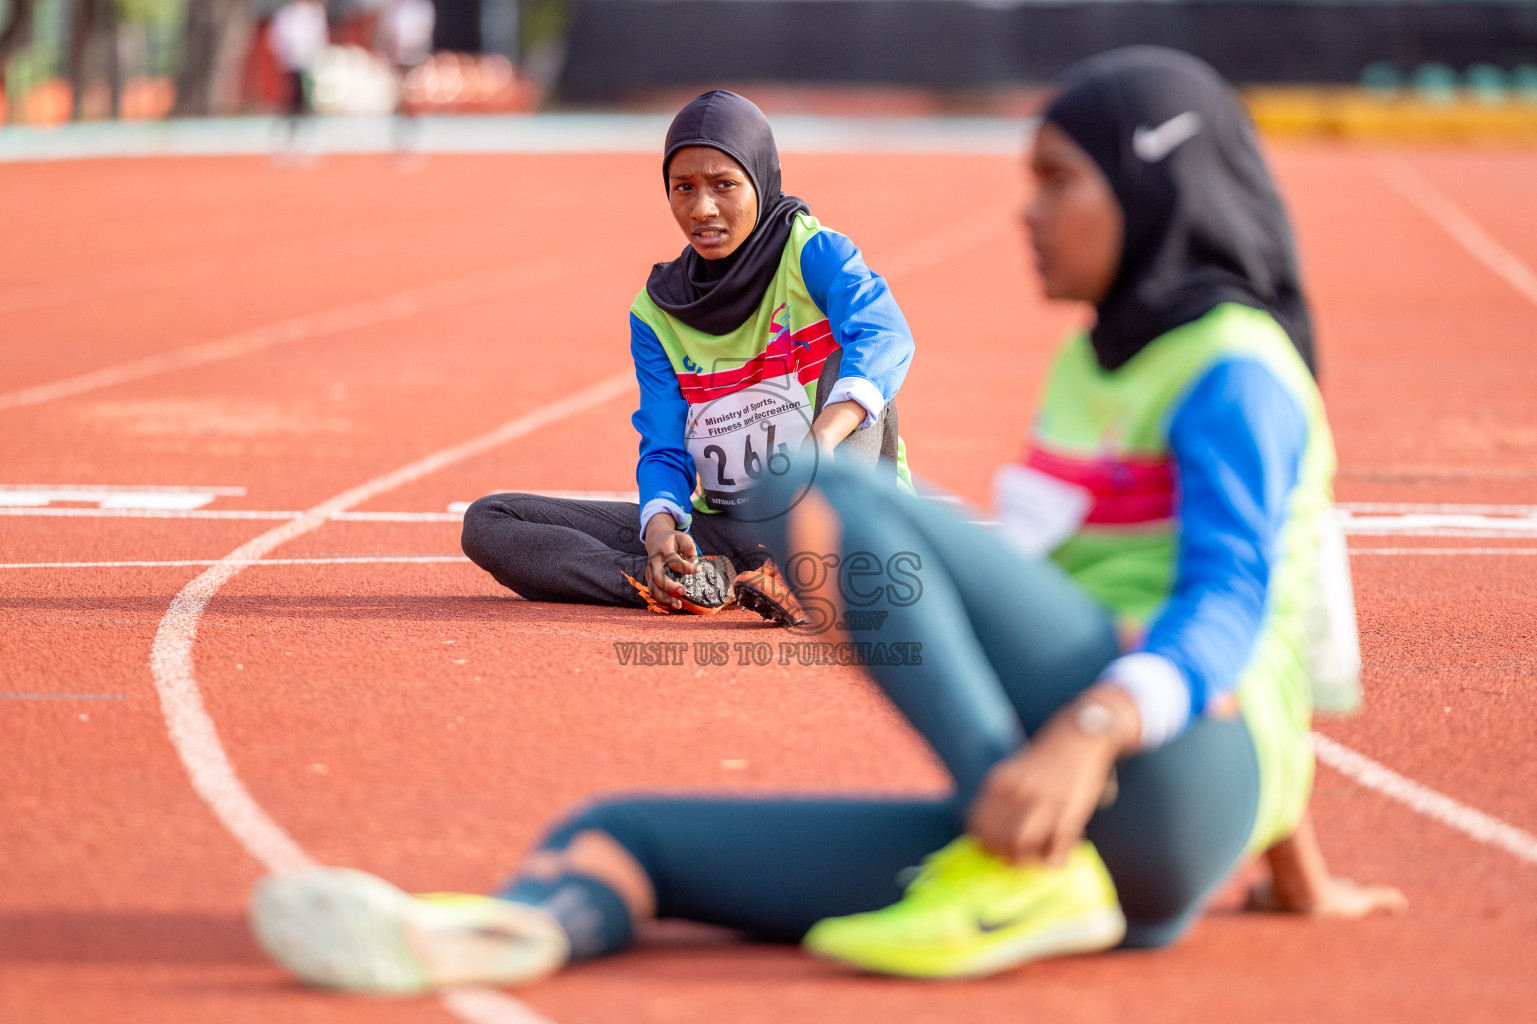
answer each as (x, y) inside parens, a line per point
(718, 296)
(1204, 224)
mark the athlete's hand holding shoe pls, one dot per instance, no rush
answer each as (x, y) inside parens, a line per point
(1034, 805)
(667, 547)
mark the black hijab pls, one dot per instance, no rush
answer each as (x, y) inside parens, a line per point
(717, 296)
(1204, 224)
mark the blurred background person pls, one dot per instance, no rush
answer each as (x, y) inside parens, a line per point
(298, 34)
(405, 39)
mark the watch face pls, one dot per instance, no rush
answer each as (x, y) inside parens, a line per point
(1096, 719)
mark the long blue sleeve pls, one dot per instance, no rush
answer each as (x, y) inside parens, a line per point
(1238, 440)
(865, 319)
(665, 472)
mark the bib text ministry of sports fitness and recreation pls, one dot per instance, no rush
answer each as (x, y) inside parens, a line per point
(746, 416)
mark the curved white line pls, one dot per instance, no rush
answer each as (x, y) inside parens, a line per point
(193, 732)
(188, 562)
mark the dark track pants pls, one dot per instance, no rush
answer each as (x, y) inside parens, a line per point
(1005, 642)
(557, 549)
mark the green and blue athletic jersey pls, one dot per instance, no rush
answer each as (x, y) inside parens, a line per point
(741, 401)
(1186, 491)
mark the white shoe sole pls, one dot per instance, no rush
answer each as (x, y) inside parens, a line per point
(1090, 933)
(350, 931)
(340, 929)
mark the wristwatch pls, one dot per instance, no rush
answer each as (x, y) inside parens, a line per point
(1096, 719)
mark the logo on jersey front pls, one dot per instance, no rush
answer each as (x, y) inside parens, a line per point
(779, 331)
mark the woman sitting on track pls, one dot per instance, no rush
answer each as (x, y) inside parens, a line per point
(767, 329)
(1103, 789)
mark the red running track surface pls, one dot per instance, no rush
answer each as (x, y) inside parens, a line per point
(417, 721)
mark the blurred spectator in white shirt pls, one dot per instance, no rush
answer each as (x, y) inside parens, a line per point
(405, 32)
(297, 35)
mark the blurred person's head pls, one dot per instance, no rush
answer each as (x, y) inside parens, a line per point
(1153, 203)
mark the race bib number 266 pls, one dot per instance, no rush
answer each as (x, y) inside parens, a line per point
(741, 438)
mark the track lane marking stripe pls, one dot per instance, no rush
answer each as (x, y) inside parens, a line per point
(1444, 551)
(188, 562)
(457, 559)
(192, 730)
(299, 328)
(1451, 218)
(935, 248)
(1425, 801)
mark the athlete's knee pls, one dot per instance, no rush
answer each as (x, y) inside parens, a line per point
(1157, 933)
(487, 521)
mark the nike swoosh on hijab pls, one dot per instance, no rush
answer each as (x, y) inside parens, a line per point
(1153, 144)
(1201, 227)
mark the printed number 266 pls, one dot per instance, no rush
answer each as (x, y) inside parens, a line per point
(752, 463)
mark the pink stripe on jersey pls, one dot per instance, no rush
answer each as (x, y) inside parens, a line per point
(801, 353)
(1126, 491)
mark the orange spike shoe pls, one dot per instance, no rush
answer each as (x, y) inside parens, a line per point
(707, 590)
(764, 591)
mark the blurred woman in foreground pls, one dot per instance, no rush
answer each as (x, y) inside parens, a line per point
(1122, 696)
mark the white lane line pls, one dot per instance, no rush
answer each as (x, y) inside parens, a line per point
(459, 507)
(1438, 521)
(932, 249)
(488, 1006)
(181, 562)
(1444, 551)
(1403, 525)
(234, 514)
(1407, 508)
(952, 240)
(1422, 800)
(455, 559)
(300, 328)
(193, 732)
(1510, 532)
(115, 495)
(1451, 218)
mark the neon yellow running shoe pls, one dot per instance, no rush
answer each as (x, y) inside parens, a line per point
(351, 931)
(969, 914)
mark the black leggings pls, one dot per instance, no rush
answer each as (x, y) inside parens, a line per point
(1005, 642)
(558, 549)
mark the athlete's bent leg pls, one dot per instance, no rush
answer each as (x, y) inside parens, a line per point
(1178, 826)
(1183, 813)
(556, 549)
(953, 625)
(770, 868)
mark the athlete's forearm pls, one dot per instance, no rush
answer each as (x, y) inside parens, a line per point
(1299, 875)
(836, 422)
